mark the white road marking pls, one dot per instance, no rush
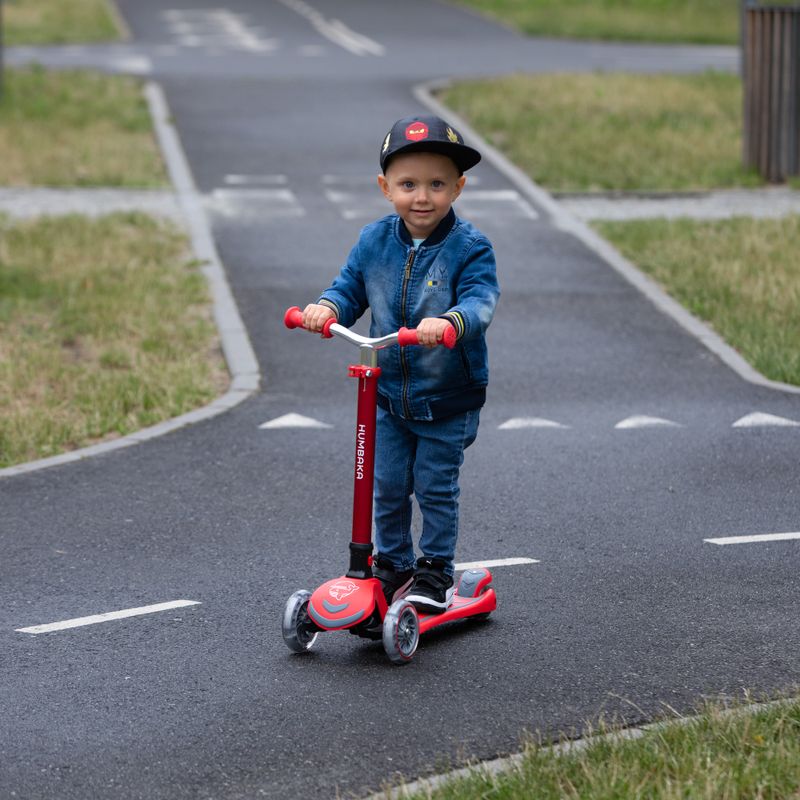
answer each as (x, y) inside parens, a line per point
(529, 422)
(257, 180)
(759, 537)
(497, 562)
(336, 31)
(107, 617)
(761, 420)
(293, 420)
(642, 421)
(216, 28)
(262, 204)
(502, 203)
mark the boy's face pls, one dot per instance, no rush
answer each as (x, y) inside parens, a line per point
(421, 187)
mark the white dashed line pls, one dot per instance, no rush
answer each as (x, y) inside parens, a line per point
(761, 420)
(497, 562)
(641, 421)
(516, 423)
(79, 622)
(759, 537)
(293, 420)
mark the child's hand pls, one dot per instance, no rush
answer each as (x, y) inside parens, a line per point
(431, 330)
(315, 316)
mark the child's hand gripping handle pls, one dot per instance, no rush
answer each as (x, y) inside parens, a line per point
(293, 318)
(408, 336)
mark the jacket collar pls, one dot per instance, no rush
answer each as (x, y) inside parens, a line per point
(438, 236)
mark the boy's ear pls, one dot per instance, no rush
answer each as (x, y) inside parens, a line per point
(460, 185)
(384, 184)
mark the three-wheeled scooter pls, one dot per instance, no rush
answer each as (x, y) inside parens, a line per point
(355, 601)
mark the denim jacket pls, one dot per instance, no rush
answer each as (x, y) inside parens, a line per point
(451, 275)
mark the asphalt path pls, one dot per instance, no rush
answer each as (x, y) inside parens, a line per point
(628, 612)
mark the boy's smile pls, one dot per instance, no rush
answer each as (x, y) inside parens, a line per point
(421, 187)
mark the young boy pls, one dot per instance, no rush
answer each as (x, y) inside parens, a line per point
(421, 267)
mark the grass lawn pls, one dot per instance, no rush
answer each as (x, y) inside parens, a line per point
(105, 327)
(714, 757)
(698, 21)
(76, 128)
(58, 21)
(742, 276)
(595, 132)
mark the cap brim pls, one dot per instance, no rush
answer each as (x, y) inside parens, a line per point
(463, 156)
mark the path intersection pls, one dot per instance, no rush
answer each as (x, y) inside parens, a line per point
(629, 609)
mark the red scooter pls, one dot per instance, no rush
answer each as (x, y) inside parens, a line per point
(356, 601)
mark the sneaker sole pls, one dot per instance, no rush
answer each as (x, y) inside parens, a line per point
(422, 603)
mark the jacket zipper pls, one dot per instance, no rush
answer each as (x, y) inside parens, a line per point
(403, 360)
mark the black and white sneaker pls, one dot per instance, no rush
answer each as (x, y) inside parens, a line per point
(428, 592)
(394, 583)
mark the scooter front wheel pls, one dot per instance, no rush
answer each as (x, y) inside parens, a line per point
(299, 632)
(400, 632)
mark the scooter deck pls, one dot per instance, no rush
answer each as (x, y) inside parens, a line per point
(460, 608)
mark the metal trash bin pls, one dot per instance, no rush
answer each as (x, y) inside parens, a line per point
(771, 75)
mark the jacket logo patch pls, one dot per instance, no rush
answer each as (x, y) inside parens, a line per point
(437, 280)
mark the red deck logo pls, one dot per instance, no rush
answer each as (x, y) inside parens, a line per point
(342, 589)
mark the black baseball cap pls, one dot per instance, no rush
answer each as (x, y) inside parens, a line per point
(427, 134)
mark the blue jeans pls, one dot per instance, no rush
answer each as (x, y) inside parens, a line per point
(423, 458)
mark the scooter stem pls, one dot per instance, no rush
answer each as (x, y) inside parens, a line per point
(364, 469)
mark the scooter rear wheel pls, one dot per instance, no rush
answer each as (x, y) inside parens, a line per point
(401, 632)
(299, 632)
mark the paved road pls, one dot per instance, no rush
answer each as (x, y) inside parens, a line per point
(628, 610)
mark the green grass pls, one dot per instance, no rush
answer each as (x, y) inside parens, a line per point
(76, 128)
(742, 276)
(58, 21)
(716, 756)
(104, 328)
(613, 131)
(698, 21)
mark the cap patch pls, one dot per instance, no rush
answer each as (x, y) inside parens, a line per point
(453, 136)
(386, 142)
(417, 131)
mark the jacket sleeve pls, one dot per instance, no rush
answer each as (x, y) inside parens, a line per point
(477, 292)
(347, 295)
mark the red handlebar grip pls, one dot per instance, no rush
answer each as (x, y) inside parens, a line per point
(408, 336)
(293, 318)
(449, 337)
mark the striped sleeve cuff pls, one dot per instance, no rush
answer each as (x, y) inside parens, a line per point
(323, 301)
(457, 321)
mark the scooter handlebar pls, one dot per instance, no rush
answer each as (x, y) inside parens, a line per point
(293, 318)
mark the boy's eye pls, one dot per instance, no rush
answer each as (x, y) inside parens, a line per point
(408, 184)
(438, 184)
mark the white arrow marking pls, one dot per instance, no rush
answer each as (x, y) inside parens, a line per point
(758, 419)
(642, 421)
(497, 562)
(110, 615)
(759, 537)
(529, 422)
(294, 421)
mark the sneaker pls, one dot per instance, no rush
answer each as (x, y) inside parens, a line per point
(394, 583)
(428, 592)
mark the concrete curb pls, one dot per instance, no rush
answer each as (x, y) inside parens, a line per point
(565, 221)
(498, 766)
(236, 346)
